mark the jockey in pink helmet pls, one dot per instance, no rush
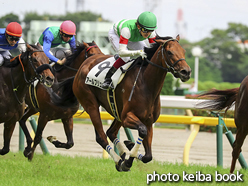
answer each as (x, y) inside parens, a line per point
(54, 36)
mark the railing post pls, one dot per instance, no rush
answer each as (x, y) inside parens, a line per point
(129, 134)
(42, 143)
(21, 139)
(219, 133)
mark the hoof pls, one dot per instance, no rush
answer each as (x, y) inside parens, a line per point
(27, 152)
(51, 138)
(3, 151)
(118, 166)
(129, 144)
(125, 167)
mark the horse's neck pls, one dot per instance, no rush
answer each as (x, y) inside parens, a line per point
(73, 67)
(154, 76)
(18, 82)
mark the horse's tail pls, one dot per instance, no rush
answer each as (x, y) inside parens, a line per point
(62, 95)
(218, 99)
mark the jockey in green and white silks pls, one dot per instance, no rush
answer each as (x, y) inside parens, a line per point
(128, 40)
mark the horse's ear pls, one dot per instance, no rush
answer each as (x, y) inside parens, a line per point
(94, 42)
(85, 44)
(29, 47)
(178, 37)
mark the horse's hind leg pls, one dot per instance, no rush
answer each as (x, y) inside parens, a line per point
(240, 137)
(7, 134)
(68, 127)
(101, 137)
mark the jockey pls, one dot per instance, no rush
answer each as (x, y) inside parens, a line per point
(128, 39)
(54, 36)
(10, 38)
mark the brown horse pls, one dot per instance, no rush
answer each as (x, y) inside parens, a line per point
(15, 77)
(142, 110)
(225, 99)
(48, 111)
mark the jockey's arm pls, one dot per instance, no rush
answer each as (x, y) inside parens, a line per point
(123, 50)
(47, 43)
(72, 44)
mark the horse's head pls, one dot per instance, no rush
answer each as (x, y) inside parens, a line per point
(39, 66)
(173, 58)
(91, 49)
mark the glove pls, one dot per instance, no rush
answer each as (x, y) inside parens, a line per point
(61, 62)
(142, 54)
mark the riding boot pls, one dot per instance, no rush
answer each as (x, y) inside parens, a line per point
(108, 81)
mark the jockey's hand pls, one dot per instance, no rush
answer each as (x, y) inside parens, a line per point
(61, 62)
(142, 54)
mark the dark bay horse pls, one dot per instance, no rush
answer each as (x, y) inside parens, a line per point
(144, 108)
(225, 99)
(48, 111)
(15, 77)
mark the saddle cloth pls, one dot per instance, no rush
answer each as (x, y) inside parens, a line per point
(97, 74)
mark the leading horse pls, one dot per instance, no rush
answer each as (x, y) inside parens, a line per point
(15, 77)
(142, 110)
(225, 99)
(48, 111)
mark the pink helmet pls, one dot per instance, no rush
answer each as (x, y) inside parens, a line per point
(68, 27)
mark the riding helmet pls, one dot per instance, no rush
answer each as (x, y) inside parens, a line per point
(14, 29)
(68, 27)
(147, 20)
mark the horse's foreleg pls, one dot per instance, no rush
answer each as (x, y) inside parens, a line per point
(7, 134)
(240, 137)
(68, 128)
(42, 121)
(29, 139)
(112, 134)
(133, 122)
(147, 143)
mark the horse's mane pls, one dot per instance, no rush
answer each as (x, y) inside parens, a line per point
(16, 61)
(79, 48)
(154, 46)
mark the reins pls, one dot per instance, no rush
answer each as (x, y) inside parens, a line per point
(24, 74)
(86, 56)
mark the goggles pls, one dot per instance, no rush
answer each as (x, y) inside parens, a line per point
(66, 35)
(145, 30)
(13, 38)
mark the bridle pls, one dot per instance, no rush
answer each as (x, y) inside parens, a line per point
(36, 70)
(165, 57)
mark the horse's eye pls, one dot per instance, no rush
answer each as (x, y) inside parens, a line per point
(169, 53)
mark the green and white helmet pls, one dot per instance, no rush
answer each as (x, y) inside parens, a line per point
(147, 20)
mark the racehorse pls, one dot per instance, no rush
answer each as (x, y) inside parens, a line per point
(139, 113)
(225, 99)
(15, 77)
(48, 111)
